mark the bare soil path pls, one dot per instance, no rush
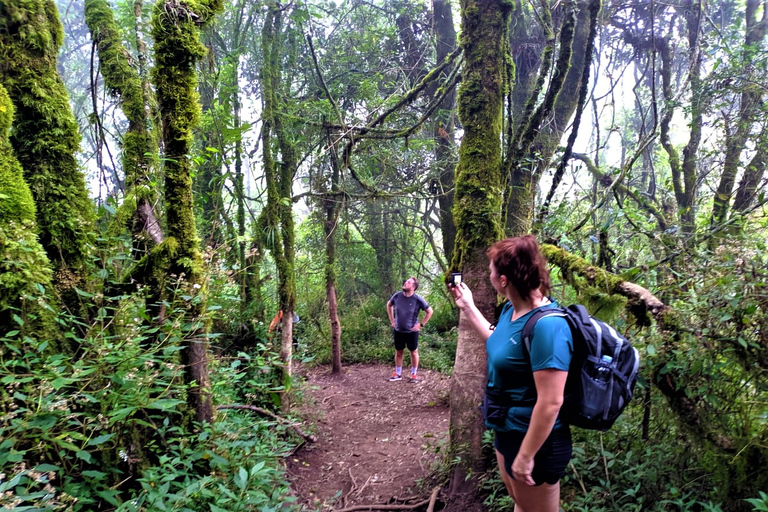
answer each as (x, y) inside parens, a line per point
(377, 440)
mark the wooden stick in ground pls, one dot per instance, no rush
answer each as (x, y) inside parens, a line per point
(264, 412)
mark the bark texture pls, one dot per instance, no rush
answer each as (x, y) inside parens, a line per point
(477, 214)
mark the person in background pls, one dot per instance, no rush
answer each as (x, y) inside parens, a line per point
(524, 391)
(403, 310)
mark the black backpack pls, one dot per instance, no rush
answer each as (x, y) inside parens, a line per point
(603, 370)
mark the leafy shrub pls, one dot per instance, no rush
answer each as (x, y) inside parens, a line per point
(109, 428)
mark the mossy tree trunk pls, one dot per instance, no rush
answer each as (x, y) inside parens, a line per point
(279, 177)
(24, 265)
(750, 108)
(209, 181)
(176, 30)
(45, 138)
(139, 145)
(534, 133)
(684, 179)
(477, 214)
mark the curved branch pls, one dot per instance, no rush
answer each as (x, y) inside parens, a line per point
(641, 201)
(279, 419)
(616, 182)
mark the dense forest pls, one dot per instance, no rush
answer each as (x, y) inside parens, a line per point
(174, 173)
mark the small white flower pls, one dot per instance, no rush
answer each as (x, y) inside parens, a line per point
(123, 455)
(196, 286)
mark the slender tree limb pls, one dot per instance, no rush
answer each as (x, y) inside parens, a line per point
(309, 437)
(641, 201)
(627, 166)
(322, 81)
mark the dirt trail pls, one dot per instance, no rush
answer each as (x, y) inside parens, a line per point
(377, 440)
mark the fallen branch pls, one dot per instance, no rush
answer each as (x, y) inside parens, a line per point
(279, 419)
(430, 502)
(433, 499)
(364, 486)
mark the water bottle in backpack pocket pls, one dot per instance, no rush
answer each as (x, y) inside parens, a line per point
(603, 369)
(594, 385)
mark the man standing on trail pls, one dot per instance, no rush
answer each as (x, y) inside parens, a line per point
(403, 310)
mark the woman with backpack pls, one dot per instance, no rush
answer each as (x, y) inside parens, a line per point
(524, 392)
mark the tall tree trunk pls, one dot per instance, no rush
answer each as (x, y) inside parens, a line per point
(684, 179)
(333, 204)
(477, 213)
(750, 106)
(279, 218)
(208, 180)
(443, 127)
(177, 48)
(527, 141)
(45, 138)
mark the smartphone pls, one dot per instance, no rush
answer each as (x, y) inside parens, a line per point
(456, 278)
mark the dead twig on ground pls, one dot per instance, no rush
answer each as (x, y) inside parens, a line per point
(430, 502)
(351, 489)
(364, 486)
(264, 412)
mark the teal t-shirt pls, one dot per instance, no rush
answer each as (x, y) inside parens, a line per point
(509, 370)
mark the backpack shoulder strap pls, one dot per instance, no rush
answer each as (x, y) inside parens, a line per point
(504, 309)
(527, 333)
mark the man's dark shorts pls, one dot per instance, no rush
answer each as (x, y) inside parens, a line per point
(406, 339)
(551, 460)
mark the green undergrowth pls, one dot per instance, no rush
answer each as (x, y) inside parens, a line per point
(109, 429)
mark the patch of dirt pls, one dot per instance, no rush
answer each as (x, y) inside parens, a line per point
(377, 440)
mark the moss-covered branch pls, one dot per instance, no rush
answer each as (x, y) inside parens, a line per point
(643, 306)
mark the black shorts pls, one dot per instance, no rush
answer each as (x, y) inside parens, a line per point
(551, 460)
(406, 339)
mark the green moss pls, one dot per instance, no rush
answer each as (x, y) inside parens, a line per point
(24, 265)
(176, 30)
(45, 134)
(479, 184)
